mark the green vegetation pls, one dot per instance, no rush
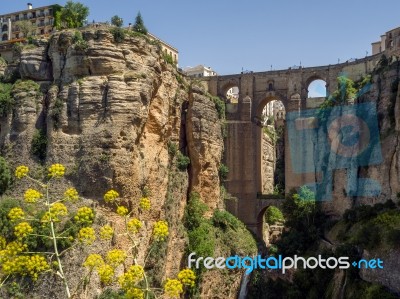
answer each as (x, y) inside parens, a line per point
(273, 215)
(26, 27)
(79, 43)
(139, 25)
(56, 112)
(39, 145)
(118, 34)
(112, 294)
(274, 134)
(7, 91)
(117, 21)
(223, 171)
(223, 231)
(25, 86)
(5, 175)
(169, 59)
(200, 230)
(6, 225)
(172, 148)
(220, 106)
(305, 223)
(6, 100)
(72, 15)
(370, 227)
(182, 161)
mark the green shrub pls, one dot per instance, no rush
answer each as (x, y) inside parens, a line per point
(220, 106)
(273, 215)
(172, 148)
(118, 34)
(56, 112)
(169, 59)
(223, 171)
(202, 240)
(6, 100)
(194, 212)
(182, 161)
(79, 43)
(39, 145)
(369, 236)
(224, 220)
(393, 237)
(5, 175)
(25, 86)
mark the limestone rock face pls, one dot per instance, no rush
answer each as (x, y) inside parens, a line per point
(385, 92)
(109, 114)
(205, 147)
(35, 64)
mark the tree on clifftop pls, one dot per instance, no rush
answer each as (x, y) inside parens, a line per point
(26, 28)
(139, 24)
(72, 15)
(117, 21)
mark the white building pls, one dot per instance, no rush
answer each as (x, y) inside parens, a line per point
(275, 110)
(42, 18)
(390, 42)
(233, 94)
(199, 71)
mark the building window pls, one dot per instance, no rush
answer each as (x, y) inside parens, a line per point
(5, 37)
(17, 17)
(25, 16)
(4, 28)
(270, 87)
(34, 15)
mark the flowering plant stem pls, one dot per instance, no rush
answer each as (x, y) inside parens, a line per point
(54, 237)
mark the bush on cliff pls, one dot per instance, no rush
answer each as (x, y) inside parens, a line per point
(5, 175)
(6, 100)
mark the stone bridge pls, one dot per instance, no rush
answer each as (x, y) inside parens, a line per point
(243, 145)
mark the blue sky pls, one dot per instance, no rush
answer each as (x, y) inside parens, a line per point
(254, 34)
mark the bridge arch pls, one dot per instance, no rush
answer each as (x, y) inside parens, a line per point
(264, 204)
(265, 98)
(226, 86)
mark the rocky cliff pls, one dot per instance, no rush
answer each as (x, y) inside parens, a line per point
(116, 115)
